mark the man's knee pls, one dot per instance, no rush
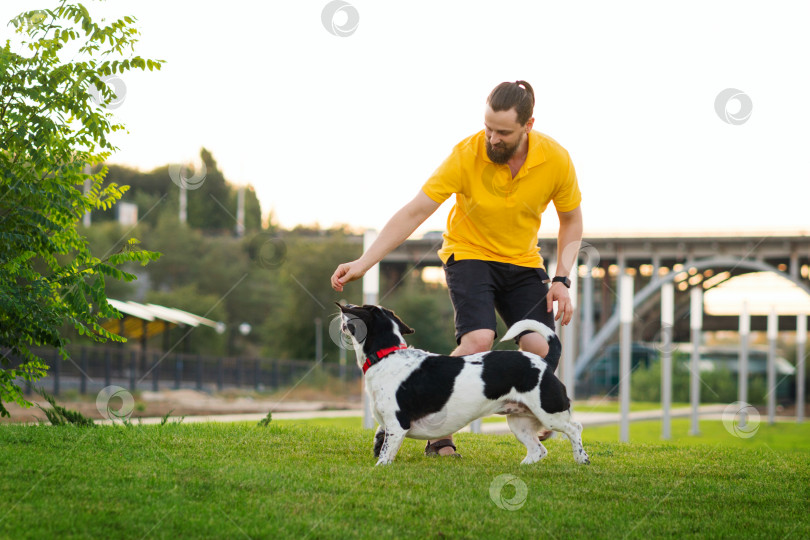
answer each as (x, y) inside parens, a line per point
(477, 341)
(534, 343)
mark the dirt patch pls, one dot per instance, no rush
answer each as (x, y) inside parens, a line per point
(188, 402)
(786, 410)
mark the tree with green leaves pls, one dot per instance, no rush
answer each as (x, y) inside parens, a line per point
(54, 124)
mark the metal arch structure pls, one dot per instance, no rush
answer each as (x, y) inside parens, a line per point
(608, 330)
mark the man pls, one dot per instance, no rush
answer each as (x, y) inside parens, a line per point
(503, 178)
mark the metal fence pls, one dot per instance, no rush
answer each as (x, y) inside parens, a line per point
(90, 369)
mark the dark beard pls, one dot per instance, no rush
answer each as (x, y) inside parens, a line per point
(501, 154)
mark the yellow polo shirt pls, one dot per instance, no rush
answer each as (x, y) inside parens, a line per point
(497, 217)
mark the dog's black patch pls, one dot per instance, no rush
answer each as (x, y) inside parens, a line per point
(504, 370)
(553, 396)
(428, 389)
(379, 438)
(554, 353)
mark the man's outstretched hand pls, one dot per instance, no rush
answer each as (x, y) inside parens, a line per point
(346, 273)
(565, 308)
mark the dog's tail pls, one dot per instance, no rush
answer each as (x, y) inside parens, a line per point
(554, 345)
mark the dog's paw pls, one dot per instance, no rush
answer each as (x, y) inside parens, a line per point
(382, 461)
(582, 458)
(528, 460)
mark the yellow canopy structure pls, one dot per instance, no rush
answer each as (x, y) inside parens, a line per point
(147, 320)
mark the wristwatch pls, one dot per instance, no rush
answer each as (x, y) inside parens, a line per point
(562, 279)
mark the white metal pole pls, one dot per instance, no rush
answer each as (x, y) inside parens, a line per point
(742, 366)
(586, 333)
(318, 340)
(371, 295)
(626, 336)
(801, 341)
(621, 264)
(570, 351)
(342, 363)
(87, 185)
(183, 202)
(667, 331)
(342, 357)
(551, 269)
(773, 330)
(240, 212)
(696, 324)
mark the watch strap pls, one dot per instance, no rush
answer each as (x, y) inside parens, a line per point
(562, 279)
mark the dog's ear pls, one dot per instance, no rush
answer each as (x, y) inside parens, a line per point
(351, 309)
(403, 328)
(347, 308)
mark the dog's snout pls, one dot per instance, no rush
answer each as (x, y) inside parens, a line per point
(346, 327)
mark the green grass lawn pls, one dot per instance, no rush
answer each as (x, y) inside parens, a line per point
(305, 480)
(782, 437)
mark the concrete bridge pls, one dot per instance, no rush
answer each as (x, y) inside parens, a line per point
(687, 260)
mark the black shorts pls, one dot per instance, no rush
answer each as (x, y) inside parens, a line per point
(480, 288)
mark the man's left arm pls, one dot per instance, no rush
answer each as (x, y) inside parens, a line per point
(568, 242)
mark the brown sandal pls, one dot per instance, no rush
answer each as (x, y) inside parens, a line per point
(432, 449)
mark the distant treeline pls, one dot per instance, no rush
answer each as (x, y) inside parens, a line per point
(273, 279)
(211, 200)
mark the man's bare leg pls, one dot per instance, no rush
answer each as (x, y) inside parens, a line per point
(471, 343)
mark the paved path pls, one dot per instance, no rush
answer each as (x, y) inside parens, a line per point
(587, 419)
(591, 419)
(250, 417)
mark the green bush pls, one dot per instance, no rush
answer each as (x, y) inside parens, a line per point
(54, 125)
(716, 386)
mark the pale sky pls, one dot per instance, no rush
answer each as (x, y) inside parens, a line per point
(333, 129)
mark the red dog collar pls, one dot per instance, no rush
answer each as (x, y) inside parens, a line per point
(379, 355)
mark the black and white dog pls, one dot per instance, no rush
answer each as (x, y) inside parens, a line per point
(422, 395)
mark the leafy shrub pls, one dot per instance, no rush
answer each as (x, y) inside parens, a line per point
(718, 386)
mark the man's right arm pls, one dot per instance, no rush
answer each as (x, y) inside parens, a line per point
(397, 230)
